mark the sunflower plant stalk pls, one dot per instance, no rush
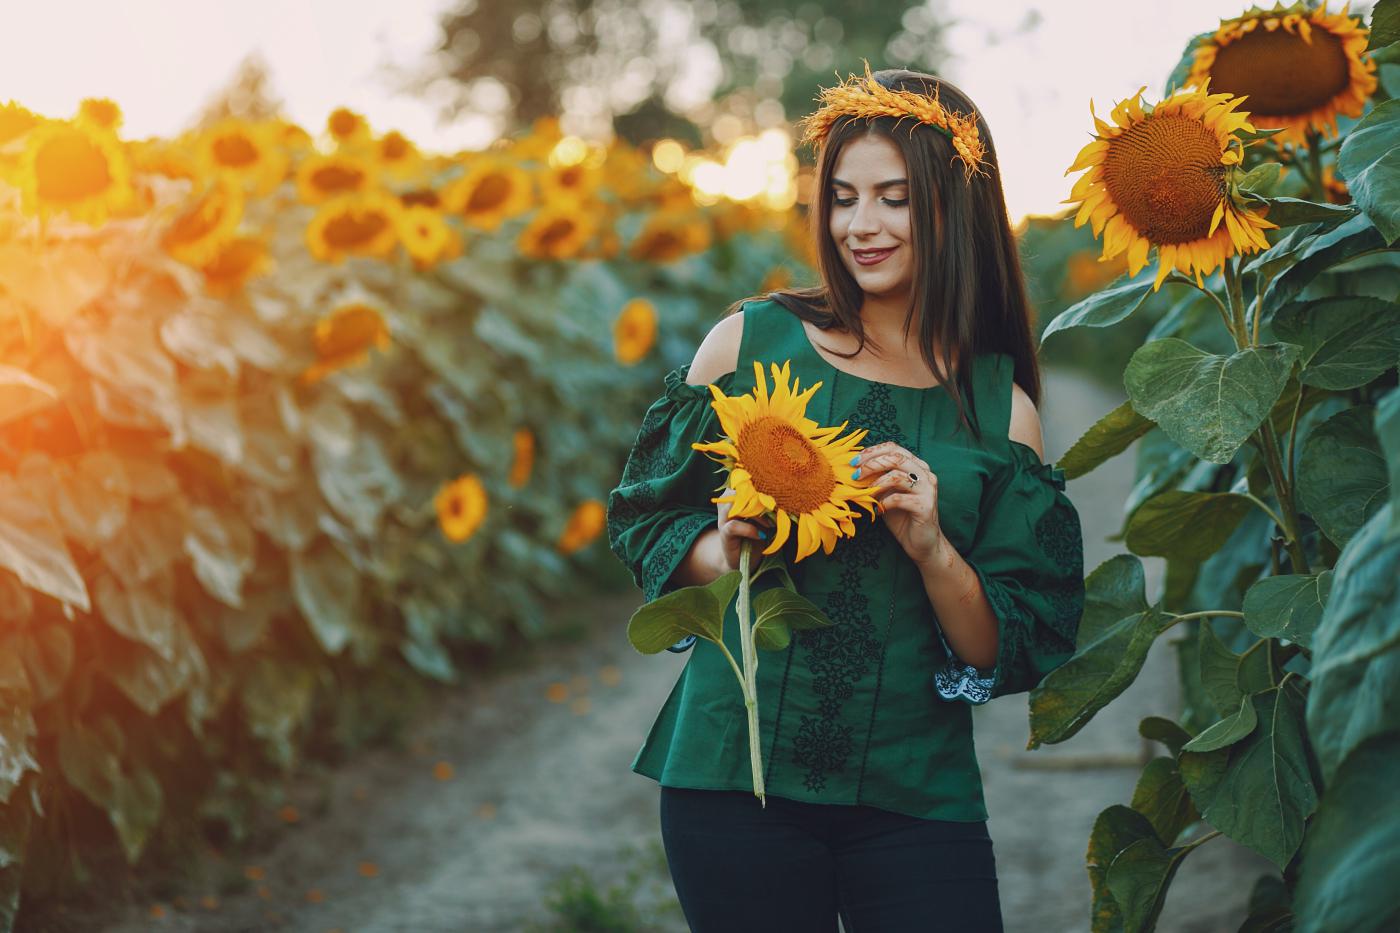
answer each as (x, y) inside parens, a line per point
(781, 464)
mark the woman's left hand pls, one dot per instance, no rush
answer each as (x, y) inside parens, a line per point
(909, 507)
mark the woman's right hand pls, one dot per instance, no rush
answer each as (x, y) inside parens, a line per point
(733, 531)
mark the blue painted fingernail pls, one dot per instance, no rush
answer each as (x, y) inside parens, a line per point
(856, 475)
(763, 534)
(855, 460)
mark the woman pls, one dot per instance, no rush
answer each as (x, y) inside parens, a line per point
(966, 586)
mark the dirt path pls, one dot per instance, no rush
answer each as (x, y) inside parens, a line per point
(538, 786)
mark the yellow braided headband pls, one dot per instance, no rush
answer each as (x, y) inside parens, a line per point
(866, 97)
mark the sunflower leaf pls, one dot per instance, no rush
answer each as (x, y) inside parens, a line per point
(1342, 479)
(690, 610)
(1109, 436)
(1369, 160)
(1207, 403)
(1346, 341)
(1107, 307)
(1290, 212)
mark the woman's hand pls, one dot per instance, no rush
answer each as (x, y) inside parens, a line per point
(909, 507)
(733, 531)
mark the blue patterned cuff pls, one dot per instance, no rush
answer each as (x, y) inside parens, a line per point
(961, 681)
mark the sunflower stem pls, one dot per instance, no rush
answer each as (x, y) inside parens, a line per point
(1315, 182)
(750, 678)
(1235, 292)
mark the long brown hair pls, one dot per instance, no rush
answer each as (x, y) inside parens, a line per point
(969, 294)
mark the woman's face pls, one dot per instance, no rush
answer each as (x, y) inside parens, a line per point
(870, 212)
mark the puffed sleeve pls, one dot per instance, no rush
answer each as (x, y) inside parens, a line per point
(1029, 554)
(662, 503)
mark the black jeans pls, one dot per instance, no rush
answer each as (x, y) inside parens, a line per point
(740, 867)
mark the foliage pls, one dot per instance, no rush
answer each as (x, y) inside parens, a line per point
(1266, 404)
(287, 426)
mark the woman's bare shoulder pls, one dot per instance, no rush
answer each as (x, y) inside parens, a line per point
(719, 351)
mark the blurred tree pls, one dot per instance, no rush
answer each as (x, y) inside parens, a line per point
(247, 94)
(648, 68)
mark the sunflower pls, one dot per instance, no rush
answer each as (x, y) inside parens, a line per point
(569, 177)
(1299, 67)
(344, 338)
(347, 128)
(206, 225)
(1337, 190)
(781, 462)
(634, 331)
(536, 145)
(74, 168)
(100, 112)
(322, 177)
(556, 232)
(250, 152)
(524, 444)
(239, 260)
(427, 237)
(396, 154)
(15, 121)
(354, 225)
(585, 523)
(492, 188)
(461, 506)
(667, 236)
(627, 172)
(420, 197)
(1163, 177)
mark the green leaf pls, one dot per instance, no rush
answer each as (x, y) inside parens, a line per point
(1269, 910)
(778, 611)
(32, 546)
(1356, 649)
(1290, 212)
(1346, 341)
(1287, 606)
(689, 610)
(221, 547)
(1369, 160)
(1387, 428)
(47, 652)
(15, 831)
(1105, 308)
(1187, 526)
(1227, 731)
(1115, 829)
(327, 591)
(1208, 404)
(1351, 857)
(21, 395)
(1161, 729)
(1110, 435)
(1342, 479)
(1115, 631)
(1309, 252)
(1162, 798)
(1385, 24)
(276, 697)
(1139, 877)
(1258, 791)
(143, 611)
(18, 730)
(1218, 666)
(148, 679)
(1260, 178)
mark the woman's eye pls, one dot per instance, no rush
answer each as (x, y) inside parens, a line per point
(892, 202)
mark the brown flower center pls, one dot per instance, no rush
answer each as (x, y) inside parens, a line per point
(70, 167)
(1166, 178)
(489, 194)
(556, 232)
(332, 178)
(785, 465)
(235, 151)
(1283, 75)
(350, 229)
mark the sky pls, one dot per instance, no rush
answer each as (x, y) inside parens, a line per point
(161, 59)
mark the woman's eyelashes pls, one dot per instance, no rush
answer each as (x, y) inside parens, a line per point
(847, 202)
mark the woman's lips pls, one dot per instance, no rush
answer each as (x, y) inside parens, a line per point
(871, 258)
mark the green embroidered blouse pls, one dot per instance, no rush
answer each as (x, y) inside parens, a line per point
(875, 709)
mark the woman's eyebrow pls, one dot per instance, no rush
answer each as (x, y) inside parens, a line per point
(878, 185)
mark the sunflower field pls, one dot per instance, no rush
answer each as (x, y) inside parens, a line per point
(1266, 178)
(290, 421)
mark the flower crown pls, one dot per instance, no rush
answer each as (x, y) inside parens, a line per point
(866, 97)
